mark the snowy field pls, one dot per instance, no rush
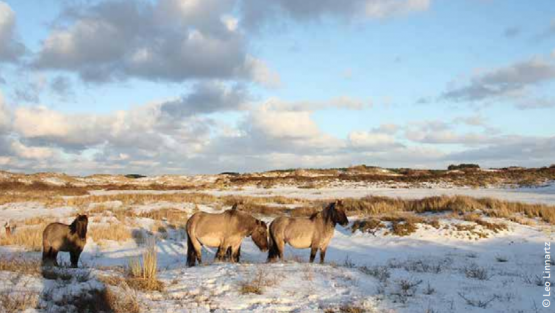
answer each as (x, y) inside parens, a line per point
(433, 269)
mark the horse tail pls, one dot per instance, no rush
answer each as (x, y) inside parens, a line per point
(191, 252)
(273, 252)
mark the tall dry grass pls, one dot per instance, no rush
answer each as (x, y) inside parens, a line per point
(458, 204)
(144, 275)
(28, 237)
(115, 232)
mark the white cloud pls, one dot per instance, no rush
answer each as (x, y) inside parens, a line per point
(256, 13)
(4, 115)
(341, 102)
(4, 160)
(38, 153)
(283, 124)
(383, 9)
(371, 140)
(40, 122)
(262, 74)
(513, 83)
(10, 48)
(169, 40)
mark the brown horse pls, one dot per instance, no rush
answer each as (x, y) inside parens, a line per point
(314, 232)
(224, 230)
(68, 238)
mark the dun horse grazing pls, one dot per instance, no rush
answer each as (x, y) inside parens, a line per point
(314, 232)
(224, 230)
(68, 238)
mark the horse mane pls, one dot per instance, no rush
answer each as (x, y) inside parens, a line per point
(325, 213)
(79, 226)
(314, 215)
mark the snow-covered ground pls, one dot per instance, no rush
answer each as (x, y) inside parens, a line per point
(432, 270)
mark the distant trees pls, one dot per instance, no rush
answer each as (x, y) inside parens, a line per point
(463, 166)
(135, 176)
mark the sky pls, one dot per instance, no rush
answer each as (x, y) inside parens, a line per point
(205, 86)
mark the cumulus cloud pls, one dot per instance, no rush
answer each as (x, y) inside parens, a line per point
(382, 137)
(152, 127)
(39, 153)
(170, 41)
(342, 102)
(370, 139)
(10, 48)
(207, 97)
(5, 118)
(282, 124)
(256, 13)
(174, 40)
(512, 82)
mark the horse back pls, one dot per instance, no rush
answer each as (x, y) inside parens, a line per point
(213, 228)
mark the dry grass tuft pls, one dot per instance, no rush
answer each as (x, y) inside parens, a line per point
(256, 284)
(143, 275)
(370, 225)
(121, 302)
(403, 228)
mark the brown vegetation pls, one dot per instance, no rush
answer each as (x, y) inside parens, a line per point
(15, 302)
(475, 178)
(443, 204)
(28, 237)
(144, 275)
(116, 232)
(21, 265)
(256, 284)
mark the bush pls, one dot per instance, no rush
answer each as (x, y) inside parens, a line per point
(463, 166)
(367, 226)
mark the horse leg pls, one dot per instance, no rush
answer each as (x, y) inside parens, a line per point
(322, 254)
(280, 246)
(235, 252)
(54, 256)
(222, 252)
(238, 254)
(217, 256)
(46, 255)
(74, 256)
(313, 251)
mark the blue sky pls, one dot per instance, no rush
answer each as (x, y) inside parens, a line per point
(189, 86)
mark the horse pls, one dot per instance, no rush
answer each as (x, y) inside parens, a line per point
(62, 237)
(314, 232)
(224, 230)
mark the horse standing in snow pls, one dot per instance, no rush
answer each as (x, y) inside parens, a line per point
(224, 230)
(68, 238)
(314, 232)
